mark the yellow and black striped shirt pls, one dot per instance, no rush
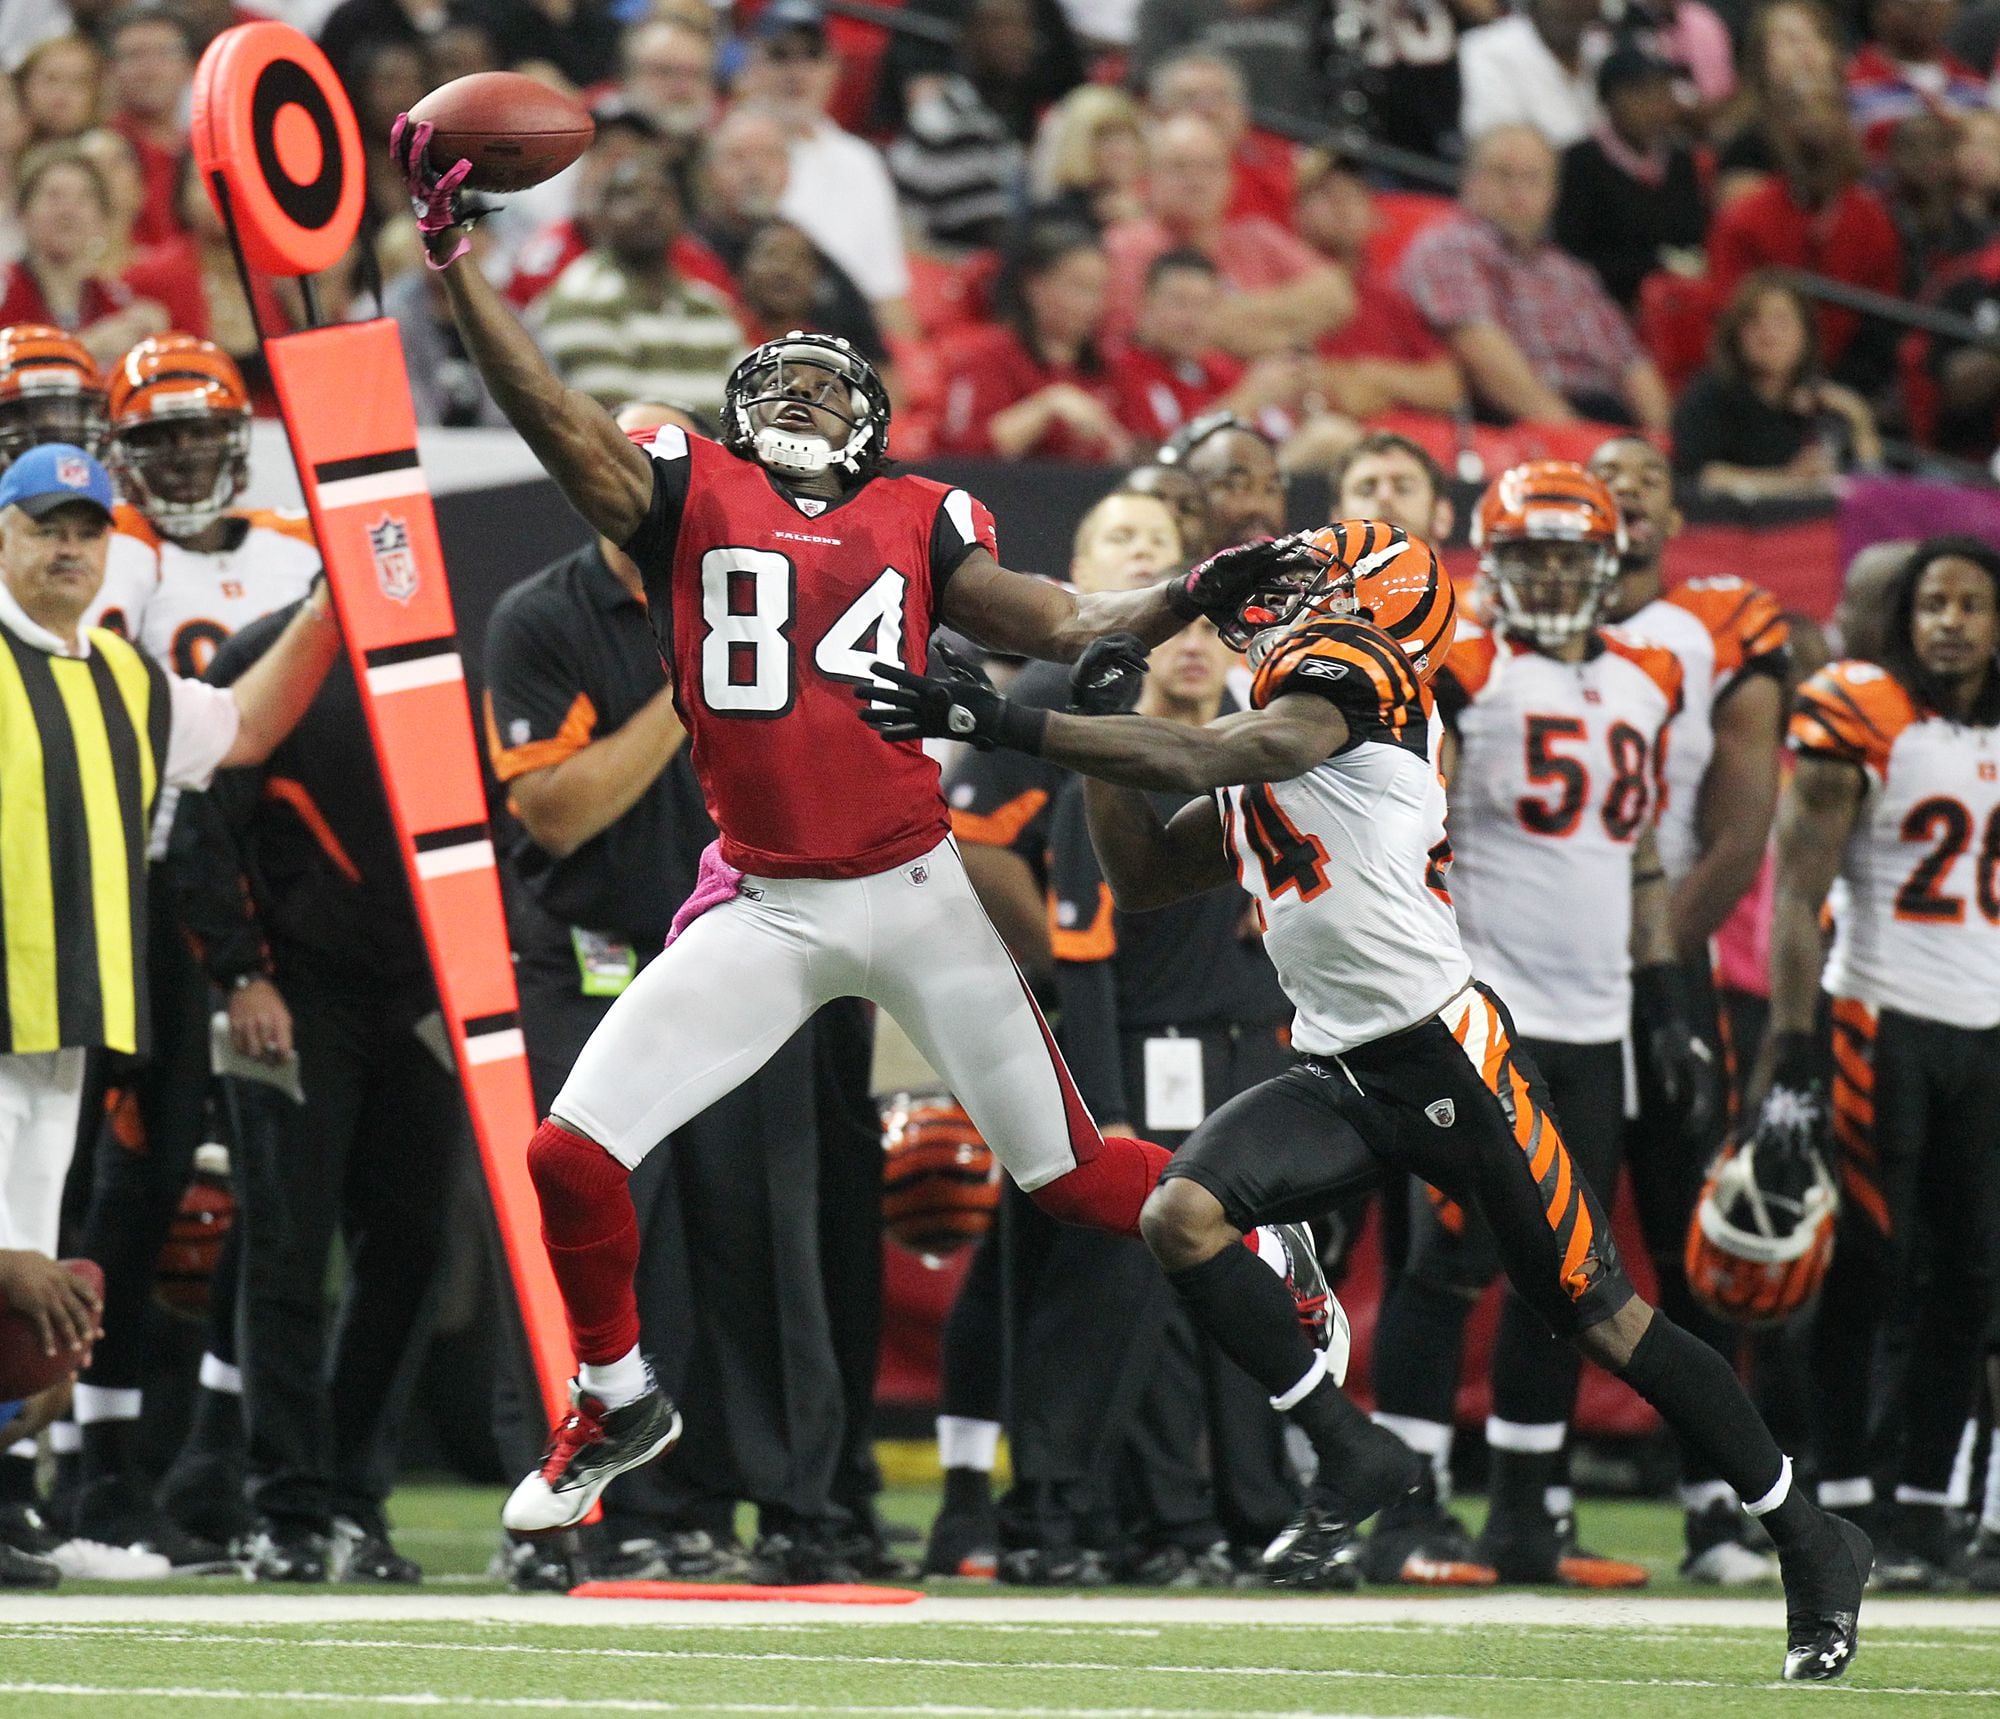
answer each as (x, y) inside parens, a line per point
(82, 742)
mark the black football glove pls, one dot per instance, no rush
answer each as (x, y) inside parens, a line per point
(1683, 1064)
(1795, 1117)
(1218, 587)
(1108, 676)
(959, 704)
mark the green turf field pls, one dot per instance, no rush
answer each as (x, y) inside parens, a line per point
(221, 1647)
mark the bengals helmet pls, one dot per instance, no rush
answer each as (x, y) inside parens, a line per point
(1762, 1234)
(1378, 573)
(49, 392)
(771, 397)
(180, 432)
(1549, 537)
(940, 1187)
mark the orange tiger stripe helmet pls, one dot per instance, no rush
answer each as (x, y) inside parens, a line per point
(1761, 1238)
(180, 431)
(940, 1185)
(50, 391)
(1549, 537)
(1376, 572)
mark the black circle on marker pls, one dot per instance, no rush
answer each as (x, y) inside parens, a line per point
(283, 81)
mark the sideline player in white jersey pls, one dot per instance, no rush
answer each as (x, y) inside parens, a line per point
(1721, 787)
(178, 444)
(1553, 752)
(1324, 801)
(50, 391)
(1894, 806)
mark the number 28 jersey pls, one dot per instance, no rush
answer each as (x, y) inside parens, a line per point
(1917, 904)
(1348, 861)
(770, 610)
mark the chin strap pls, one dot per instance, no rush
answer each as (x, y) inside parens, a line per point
(805, 456)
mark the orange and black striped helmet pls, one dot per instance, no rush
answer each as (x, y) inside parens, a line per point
(1548, 598)
(940, 1187)
(180, 431)
(1374, 571)
(1761, 1238)
(49, 391)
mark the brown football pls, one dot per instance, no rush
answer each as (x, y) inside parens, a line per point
(24, 1369)
(515, 130)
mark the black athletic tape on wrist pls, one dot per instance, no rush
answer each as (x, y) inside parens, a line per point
(1800, 1059)
(1021, 727)
(1181, 600)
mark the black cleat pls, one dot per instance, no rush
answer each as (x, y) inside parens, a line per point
(1542, 1551)
(113, 1512)
(537, 1566)
(283, 1552)
(1320, 1548)
(964, 1543)
(1982, 1562)
(1054, 1567)
(797, 1559)
(1307, 1282)
(1419, 1543)
(361, 1553)
(590, 1448)
(202, 1495)
(1823, 1587)
(20, 1569)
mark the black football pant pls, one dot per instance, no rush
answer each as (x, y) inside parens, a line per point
(1419, 1340)
(143, 1141)
(370, 1157)
(1917, 1142)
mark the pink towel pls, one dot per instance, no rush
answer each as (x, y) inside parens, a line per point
(715, 883)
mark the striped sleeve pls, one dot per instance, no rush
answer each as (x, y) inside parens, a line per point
(1346, 662)
(1850, 712)
(1750, 631)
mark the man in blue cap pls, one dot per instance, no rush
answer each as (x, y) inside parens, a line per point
(89, 731)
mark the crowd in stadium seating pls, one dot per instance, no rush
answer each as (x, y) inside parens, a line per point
(1066, 229)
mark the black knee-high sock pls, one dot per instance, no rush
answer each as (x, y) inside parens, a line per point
(17, 1480)
(1700, 1397)
(1418, 1344)
(1244, 1305)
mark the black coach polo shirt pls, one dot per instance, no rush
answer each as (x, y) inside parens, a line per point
(569, 660)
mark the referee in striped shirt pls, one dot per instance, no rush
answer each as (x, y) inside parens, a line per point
(89, 731)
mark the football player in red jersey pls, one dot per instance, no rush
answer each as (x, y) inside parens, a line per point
(783, 569)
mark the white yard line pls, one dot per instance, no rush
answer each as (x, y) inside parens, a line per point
(611, 1704)
(250, 1605)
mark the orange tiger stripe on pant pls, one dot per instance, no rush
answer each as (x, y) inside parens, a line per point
(1854, 1108)
(1477, 1026)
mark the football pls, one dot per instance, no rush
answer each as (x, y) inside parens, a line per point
(24, 1369)
(515, 130)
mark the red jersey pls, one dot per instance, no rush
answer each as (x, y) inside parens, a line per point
(770, 610)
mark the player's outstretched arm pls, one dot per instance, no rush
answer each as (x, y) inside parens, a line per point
(1150, 863)
(1021, 615)
(607, 479)
(1284, 739)
(1739, 791)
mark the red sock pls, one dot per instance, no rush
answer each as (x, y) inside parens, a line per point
(1107, 1187)
(592, 1235)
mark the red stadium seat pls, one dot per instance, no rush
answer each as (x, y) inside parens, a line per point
(1676, 316)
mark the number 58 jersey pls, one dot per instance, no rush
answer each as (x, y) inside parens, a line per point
(770, 611)
(1347, 862)
(1917, 904)
(1559, 772)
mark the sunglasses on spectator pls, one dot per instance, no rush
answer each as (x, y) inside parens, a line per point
(788, 50)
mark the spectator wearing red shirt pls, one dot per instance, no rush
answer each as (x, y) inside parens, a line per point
(1813, 214)
(1907, 69)
(1283, 295)
(64, 210)
(1538, 335)
(1171, 372)
(192, 276)
(1035, 386)
(150, 60)
(1210, 85)
(1385, 355)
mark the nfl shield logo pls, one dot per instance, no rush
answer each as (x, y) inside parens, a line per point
(920, 873)
(811, 506)
(395, 565)
(72, 473)
(1441, 1112)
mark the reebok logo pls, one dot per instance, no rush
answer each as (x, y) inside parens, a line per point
(1321, 667)
(1442, 1112)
